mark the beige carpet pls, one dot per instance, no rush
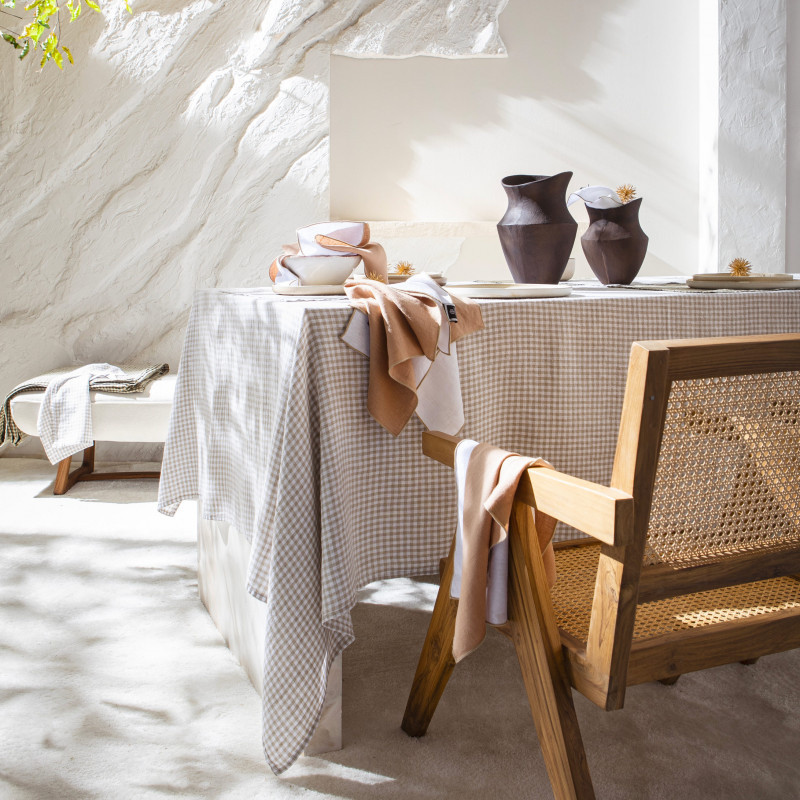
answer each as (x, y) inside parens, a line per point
(115, 684)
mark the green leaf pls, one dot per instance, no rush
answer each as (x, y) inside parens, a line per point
(59, 59)
(128, 6)
(33, 31)
(9, 3)
(12, 41)
(67, 51)
(25, 50)
(44, 60)
(93, 5)
(74, 10)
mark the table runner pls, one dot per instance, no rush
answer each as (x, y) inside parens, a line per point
(270, 429)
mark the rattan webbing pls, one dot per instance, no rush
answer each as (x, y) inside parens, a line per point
(574, 589)
(728, 476)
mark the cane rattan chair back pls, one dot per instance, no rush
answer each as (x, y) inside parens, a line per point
(728, 475)
(693, 551)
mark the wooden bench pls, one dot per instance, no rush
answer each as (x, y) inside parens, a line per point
(133, 417)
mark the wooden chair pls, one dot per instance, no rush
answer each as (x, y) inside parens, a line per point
(693, 550)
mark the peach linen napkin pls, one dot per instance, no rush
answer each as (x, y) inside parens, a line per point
(487, 479)
(410, 342)
(332, 239)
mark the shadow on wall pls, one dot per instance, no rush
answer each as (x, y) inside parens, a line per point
(173, 155)
(426, 139)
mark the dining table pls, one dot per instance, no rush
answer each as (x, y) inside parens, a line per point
(270, 430)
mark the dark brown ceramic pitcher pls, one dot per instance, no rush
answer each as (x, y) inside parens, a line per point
(537, 231)
(614, 243)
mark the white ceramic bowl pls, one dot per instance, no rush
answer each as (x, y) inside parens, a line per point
(569, 272)
(322, 270)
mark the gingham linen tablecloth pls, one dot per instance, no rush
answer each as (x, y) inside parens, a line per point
(269, 429)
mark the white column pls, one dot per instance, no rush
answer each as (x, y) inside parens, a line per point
(708, 118)
(742, 133)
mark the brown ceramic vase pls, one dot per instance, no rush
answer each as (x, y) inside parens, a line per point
(614, 243)
(537, 231)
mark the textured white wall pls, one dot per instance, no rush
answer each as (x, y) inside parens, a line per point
(187, 143)
(793, 138)
(752, 132)
(608, 90)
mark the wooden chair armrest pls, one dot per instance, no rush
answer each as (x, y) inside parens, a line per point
(602, 512)
(440, 447)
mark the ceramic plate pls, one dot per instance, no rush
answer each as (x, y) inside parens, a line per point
(437, 277)
(492, 289)
(726, 276)
(282, 288)
(764, 282)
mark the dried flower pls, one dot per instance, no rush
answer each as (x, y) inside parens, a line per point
(740, 267)
(404, 268)
(626, 192)
(372, 276)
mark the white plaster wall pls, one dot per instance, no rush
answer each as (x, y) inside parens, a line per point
(793, 138)
(187, 143)
(608, 90)
(752, 132)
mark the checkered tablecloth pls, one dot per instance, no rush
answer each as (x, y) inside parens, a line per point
(269, 429)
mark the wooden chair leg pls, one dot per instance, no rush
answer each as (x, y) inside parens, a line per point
(748, 662)
(436, 660)
(64, 480)
(541, 658)
(669, 681)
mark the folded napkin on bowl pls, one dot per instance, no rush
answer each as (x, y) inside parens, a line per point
(354, 234)
(332, 239)
(487, 480)
(410, 340)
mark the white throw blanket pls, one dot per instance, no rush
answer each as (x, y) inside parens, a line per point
(65, 415)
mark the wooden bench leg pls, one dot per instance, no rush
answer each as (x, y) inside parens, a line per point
(85, 472)
(541, 658)
(64, 480)
(669, 681)
(436, 660)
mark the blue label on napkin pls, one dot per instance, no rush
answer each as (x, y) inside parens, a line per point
(451, 312)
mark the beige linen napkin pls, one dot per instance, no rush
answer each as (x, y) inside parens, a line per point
(372, 254)
(333, 239)
(403, 325)
(486, 496)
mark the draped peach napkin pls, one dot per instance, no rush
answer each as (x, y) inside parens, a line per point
(487, 482)
(405, 325)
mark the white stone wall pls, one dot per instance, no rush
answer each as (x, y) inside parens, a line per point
(793, 137)
(606, 90)
(752, 133)
(187, 143)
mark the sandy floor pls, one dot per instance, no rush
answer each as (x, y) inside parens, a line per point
(115, 684)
